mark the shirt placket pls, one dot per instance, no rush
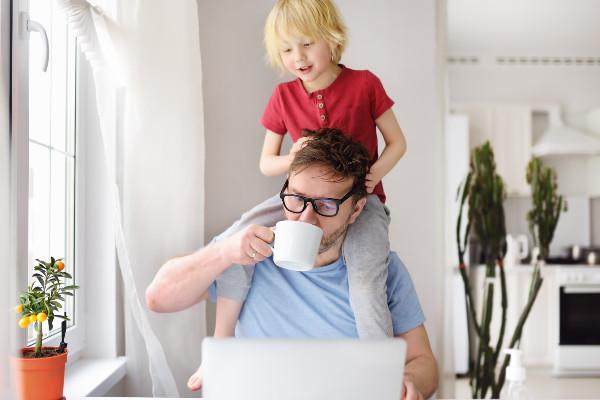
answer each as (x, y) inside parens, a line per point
(321, 109)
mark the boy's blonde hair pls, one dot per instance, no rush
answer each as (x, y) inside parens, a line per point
(313, 18)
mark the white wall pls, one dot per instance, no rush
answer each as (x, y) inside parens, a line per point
(560, 29)
(575, 88)
(398, 41)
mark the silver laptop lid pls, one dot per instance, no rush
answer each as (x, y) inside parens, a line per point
(265, 369)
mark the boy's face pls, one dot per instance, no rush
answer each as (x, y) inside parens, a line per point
(308, 59)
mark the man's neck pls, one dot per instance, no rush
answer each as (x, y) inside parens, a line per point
(329, 256)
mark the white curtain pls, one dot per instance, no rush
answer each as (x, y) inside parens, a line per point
(145, 57)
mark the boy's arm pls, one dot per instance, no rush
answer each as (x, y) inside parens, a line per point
(395, 147)
(183, 281)
(420, 371)
(271, 163)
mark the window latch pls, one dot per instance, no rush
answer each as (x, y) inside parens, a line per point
(34, 26)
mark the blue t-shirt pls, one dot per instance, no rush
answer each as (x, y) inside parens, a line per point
(315, 304)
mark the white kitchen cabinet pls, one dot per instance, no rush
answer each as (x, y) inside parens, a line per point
(509, 130)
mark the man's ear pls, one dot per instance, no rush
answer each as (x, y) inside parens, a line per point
(357, 209)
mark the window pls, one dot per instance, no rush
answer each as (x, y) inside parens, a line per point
(50, 117)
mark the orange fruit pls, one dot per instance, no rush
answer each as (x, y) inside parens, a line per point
(41, 317)
(32, 318)
(19, 308)
(59, 265)
(23, 322)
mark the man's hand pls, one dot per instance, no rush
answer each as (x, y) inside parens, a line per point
(248, 246)
(410, 391)
(420, 371)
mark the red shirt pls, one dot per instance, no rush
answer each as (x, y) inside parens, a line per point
(351, 104)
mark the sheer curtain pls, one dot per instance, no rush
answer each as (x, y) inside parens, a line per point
(145, 57)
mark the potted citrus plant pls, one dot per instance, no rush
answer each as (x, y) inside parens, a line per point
(39, 371)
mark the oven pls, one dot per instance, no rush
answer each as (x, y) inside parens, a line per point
(578, 350)
(579, 318)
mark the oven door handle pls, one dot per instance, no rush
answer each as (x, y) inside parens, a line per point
(582, 289)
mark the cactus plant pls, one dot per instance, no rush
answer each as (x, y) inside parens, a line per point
(547, 205)
(543, 217)
(483, 192)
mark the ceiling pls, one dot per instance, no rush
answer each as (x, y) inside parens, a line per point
(524, 28)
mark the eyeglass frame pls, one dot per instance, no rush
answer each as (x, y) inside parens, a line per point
(338, 202)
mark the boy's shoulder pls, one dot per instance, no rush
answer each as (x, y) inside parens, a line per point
(358, 72)
(364, 77)
(288, 85)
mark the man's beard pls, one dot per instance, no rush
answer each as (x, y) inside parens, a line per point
(330, 241)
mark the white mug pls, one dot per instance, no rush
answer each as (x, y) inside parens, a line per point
(296, 245)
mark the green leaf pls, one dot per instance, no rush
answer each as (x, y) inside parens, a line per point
(65, 275)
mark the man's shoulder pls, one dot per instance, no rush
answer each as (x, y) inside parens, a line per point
(398, 275)
(394, 262)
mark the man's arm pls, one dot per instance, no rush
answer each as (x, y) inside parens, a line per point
(184, 281)
(420, 372)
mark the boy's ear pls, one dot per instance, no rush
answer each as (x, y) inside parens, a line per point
(333, 49)
(357, 209)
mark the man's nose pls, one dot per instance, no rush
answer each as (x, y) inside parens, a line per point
(309, 215)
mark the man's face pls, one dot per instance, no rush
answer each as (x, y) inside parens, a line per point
(315, 182)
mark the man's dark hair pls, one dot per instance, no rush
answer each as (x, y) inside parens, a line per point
(342, 156)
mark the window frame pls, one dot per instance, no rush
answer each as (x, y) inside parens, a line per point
(20, 153)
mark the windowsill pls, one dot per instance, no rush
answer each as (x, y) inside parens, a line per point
(93, 377)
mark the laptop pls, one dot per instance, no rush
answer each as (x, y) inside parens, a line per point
(269, 369)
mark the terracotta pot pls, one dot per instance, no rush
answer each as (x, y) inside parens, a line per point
(39, 378)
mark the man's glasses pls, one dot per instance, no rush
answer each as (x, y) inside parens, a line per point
(324, 206)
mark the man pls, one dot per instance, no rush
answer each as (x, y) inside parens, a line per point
(283, 303)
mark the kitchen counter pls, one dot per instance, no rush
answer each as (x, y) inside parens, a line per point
(529, 267)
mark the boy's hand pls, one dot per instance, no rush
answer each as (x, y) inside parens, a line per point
(297, 146)
(371, 180)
